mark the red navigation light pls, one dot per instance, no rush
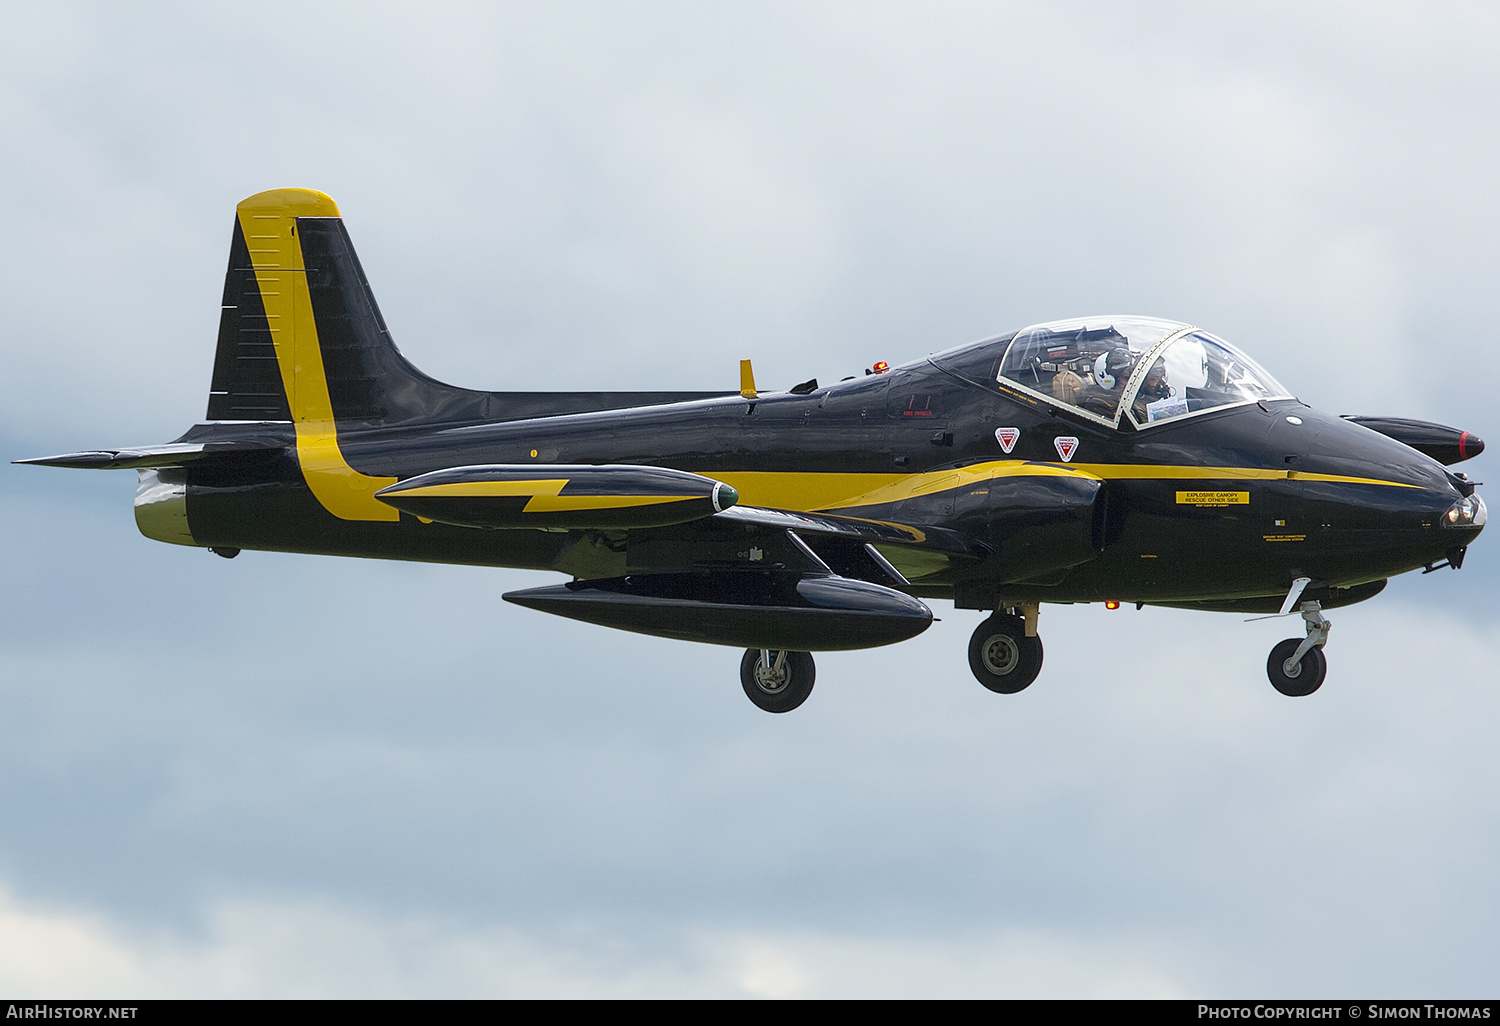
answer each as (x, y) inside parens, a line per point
(881, 367)
(1111, 604)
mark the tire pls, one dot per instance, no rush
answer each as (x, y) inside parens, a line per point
(1002, 657)
(1310, 671)
(781, 687)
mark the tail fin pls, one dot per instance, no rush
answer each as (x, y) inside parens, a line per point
(301, 337)
(284, 352)
(301, 340)
(270, 360)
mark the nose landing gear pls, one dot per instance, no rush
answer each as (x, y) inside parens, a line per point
(1297, 666)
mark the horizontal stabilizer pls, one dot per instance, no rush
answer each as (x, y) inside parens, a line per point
(173, 454)
(559, 496)
(771, 610)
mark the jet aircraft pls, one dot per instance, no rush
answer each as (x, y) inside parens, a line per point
(1102, 459)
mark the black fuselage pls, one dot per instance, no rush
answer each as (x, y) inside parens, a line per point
(1211, 510)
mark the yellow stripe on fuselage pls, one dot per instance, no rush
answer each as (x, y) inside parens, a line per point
(810, 492)
(822, 491)
(813, 492)
(268, 221)
(1148, 471)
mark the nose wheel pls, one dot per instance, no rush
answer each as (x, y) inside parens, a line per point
(1002, 657)
(1297, 666)
(1296, 677)
(775, 681)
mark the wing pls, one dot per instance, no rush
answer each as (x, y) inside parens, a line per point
(665, 552)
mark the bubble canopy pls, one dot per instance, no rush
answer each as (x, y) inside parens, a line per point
(1148, 369)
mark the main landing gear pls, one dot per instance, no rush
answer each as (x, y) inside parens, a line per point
(777, 682)
(1005, 652)
(1297, 666)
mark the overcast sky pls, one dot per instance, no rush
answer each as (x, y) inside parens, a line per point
(293, 776)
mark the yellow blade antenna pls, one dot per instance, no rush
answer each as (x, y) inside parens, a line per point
(747, 380)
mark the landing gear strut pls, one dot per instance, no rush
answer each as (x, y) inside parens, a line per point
(1297, 665)
(1004, 655)
(775, 681)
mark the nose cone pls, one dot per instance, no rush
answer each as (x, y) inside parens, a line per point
(1381, 505)
(1469, 445)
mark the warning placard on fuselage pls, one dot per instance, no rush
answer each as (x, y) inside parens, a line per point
(1213, 498)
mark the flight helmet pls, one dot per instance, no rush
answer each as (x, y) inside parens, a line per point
(1112, 366)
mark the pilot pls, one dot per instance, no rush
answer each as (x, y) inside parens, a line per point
(1153, 388)
(1111, 371)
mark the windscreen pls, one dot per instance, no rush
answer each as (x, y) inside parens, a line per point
(1199, 372)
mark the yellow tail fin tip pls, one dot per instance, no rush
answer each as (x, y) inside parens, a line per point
(290, 203)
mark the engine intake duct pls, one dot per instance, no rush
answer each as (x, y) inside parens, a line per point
(1042, 526)
(747, 609)
(559, 496)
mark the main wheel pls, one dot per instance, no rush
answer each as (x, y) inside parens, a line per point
(1307, 675)
(780, 685)
(1002, 657)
